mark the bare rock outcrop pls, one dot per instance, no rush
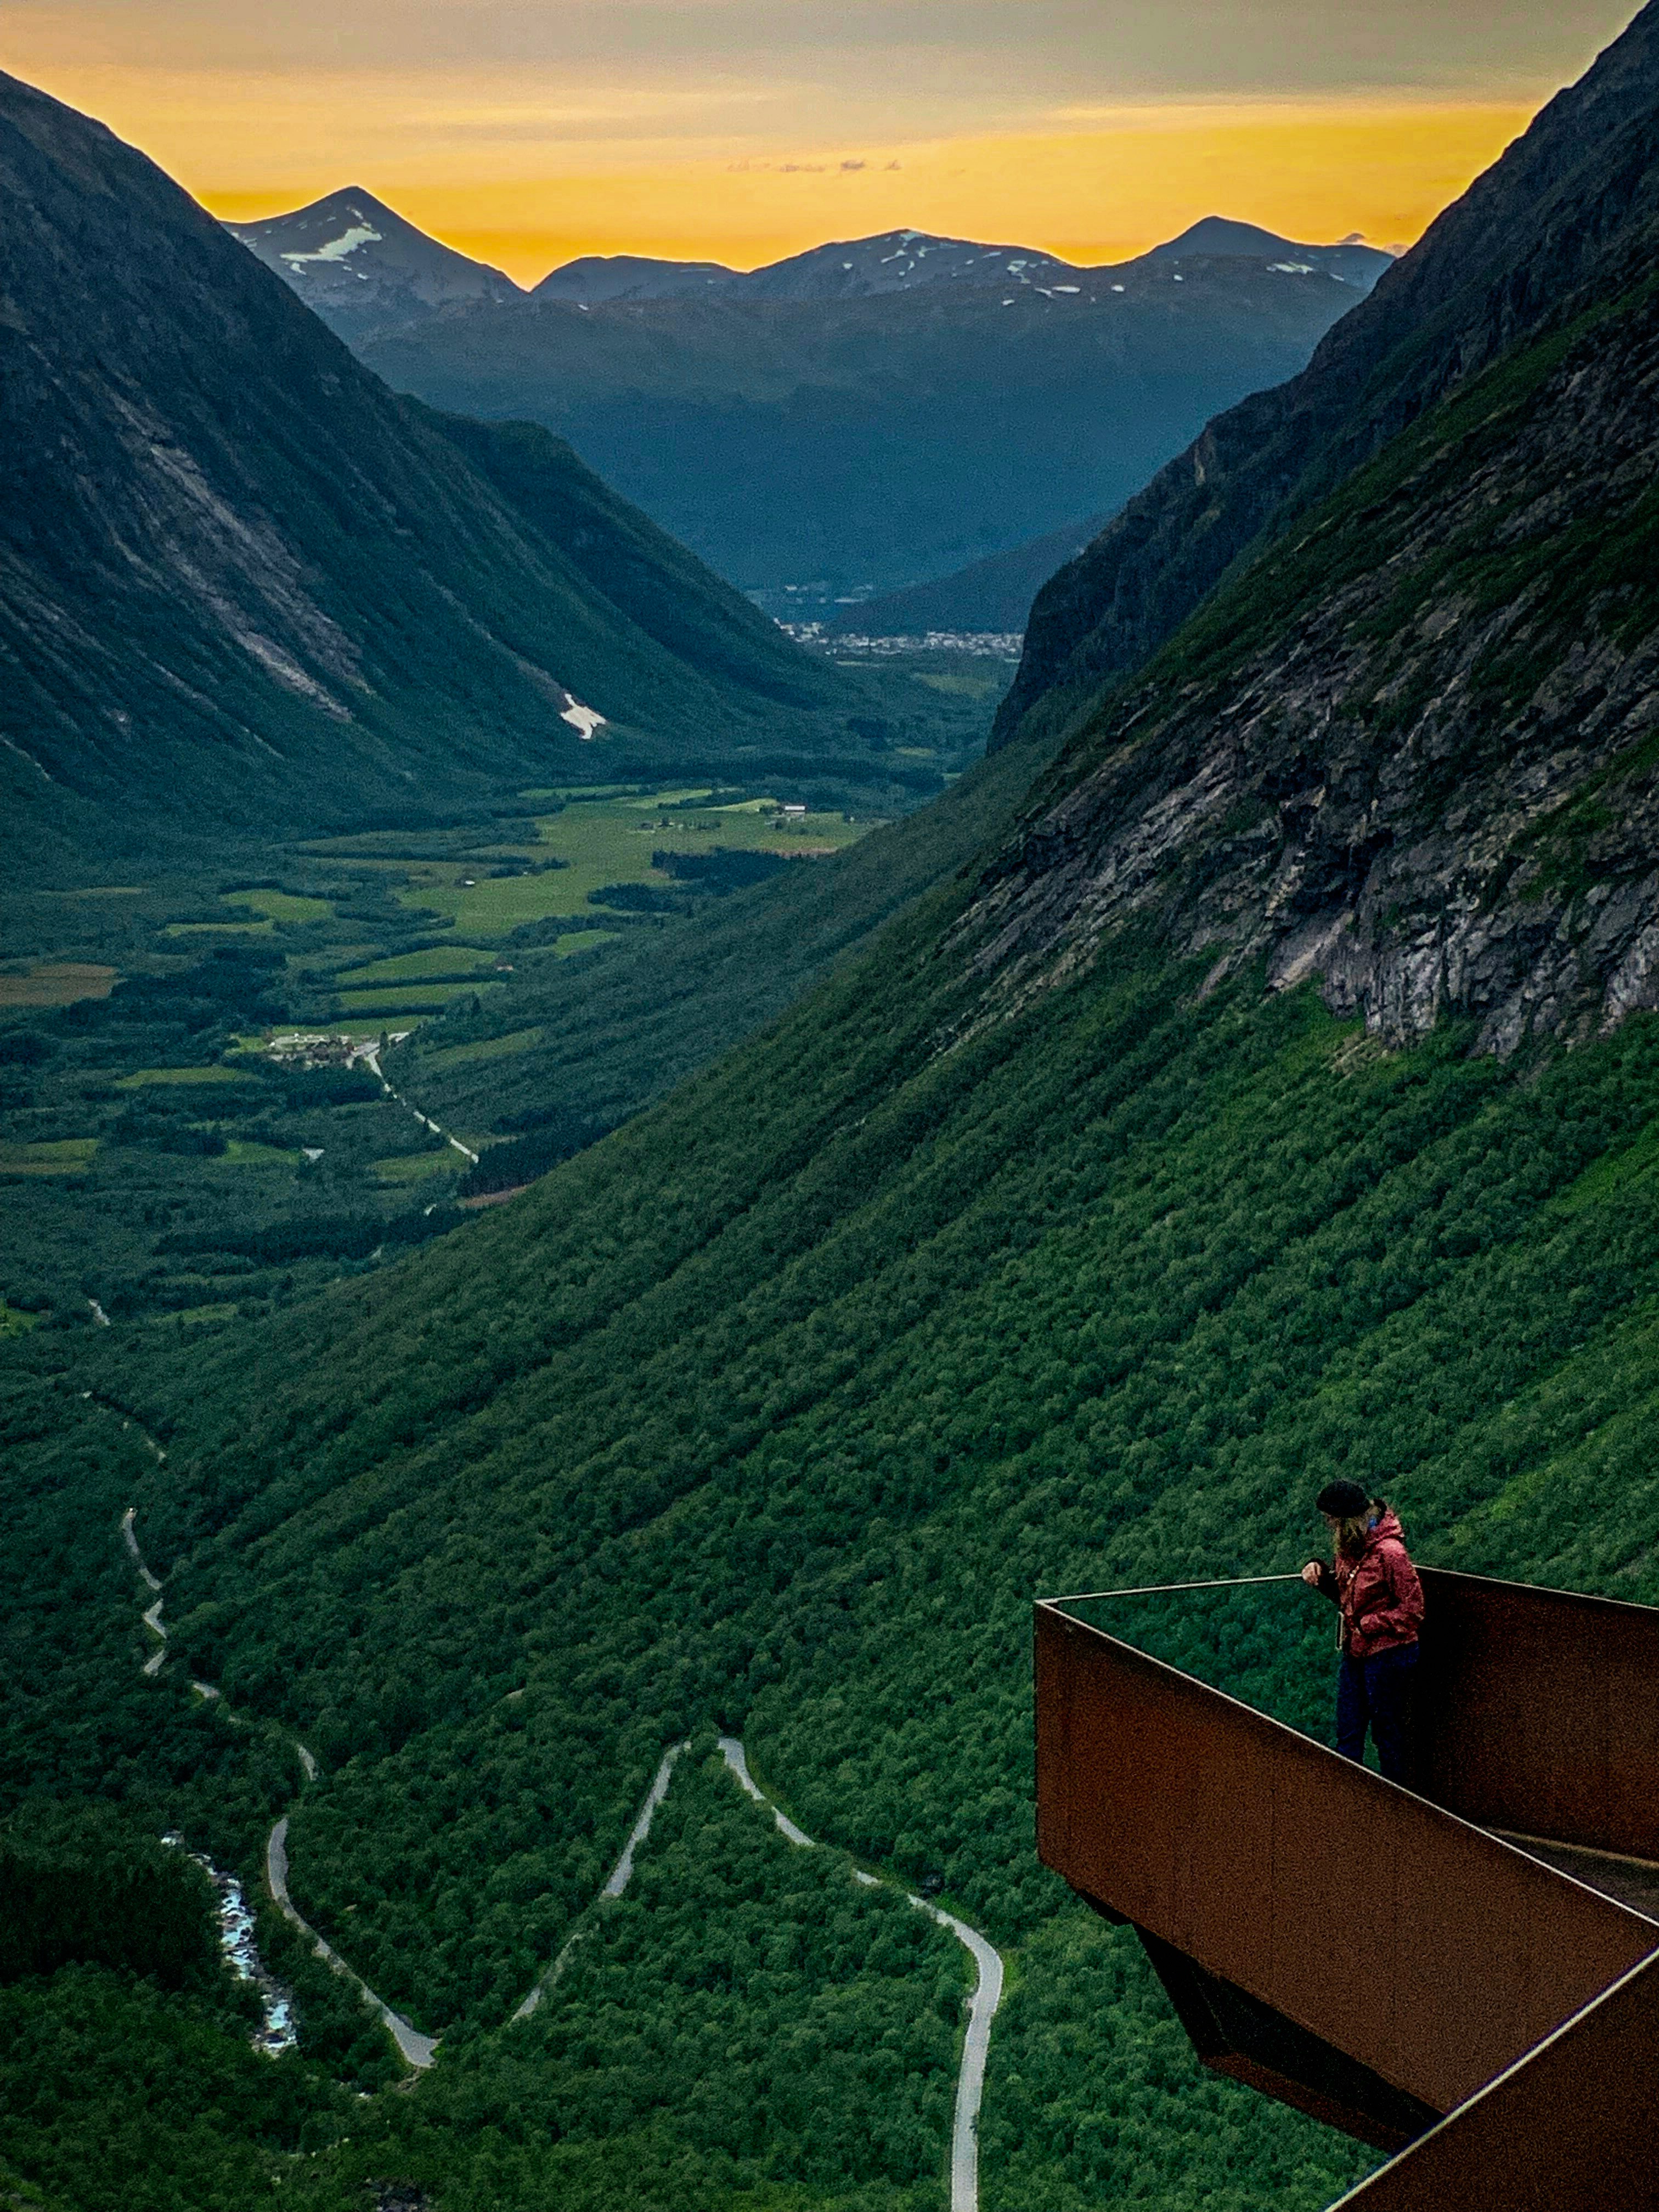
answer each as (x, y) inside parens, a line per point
(1415, 753)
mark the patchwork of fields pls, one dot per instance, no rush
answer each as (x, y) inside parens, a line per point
(158, 1158)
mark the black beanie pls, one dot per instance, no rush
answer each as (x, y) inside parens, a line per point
(1342, 1499)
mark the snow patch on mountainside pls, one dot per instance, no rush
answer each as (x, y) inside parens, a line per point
(338, 248)
(584, 720)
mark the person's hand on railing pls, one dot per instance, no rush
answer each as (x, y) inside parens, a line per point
(1318, 1576)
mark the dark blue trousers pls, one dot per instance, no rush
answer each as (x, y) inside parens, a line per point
(1376, 1694)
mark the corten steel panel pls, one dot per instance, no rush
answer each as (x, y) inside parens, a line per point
(1429, 1951)
(1569, 2129)
(1236, 2035)
(1539, 1712)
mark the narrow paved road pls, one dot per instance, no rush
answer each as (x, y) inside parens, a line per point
(419, 2049)
(371, 1058)
(618, 1878)
(981, 2006)
(416, 2048)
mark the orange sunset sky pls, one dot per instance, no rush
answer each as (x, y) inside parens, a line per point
(742, 130)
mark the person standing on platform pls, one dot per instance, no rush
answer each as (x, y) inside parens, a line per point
(1372, 1582)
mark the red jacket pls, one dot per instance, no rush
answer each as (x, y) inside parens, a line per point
(1381, 1598)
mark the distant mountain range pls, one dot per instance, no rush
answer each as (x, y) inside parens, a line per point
(632, 277)
(905, 260)
(854, 419)
(360, 263)
(243, 587)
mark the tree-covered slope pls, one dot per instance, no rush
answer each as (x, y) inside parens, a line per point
(242, 585)
(776, 1409)
(1567, 214)
(648, 578)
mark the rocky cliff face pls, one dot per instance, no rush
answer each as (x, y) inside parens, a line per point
(1570, 206)
(1415, 750)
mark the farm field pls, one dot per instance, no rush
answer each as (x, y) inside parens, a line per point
(279, 906)
(597, 840)
(415, 1167)
(436, 963)
(411, 998)
(219, 929)
(56, 983)
(157, 1114)
(501, 1047)
(142, 1079)
(67, 1155)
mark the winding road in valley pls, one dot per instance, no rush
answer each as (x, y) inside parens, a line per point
(420, 2050)
(981, 2006)
(370, 1056)
(616, 1881)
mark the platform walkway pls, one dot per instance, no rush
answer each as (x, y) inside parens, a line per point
(1506, 1989)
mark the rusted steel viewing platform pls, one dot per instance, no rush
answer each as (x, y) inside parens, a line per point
(1467, 1976)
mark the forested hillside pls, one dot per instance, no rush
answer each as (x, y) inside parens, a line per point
(1274, 1094)
(774, 1410)
(244, 589)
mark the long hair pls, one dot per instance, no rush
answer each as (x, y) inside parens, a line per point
(1348, 1538)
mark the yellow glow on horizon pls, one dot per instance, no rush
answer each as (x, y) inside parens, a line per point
(526, 180)
(1100, 194)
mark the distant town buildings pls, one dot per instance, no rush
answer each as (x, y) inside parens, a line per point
(978, 644)
(319, 1049)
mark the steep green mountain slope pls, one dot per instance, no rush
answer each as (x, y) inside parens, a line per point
(776, 1409)
(243, 588)
(1566, 214)
(1072, 1237)
(663, 591)
(876, 440)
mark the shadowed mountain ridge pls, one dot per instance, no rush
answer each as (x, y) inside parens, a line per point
(243, 587)
(1569, 201)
